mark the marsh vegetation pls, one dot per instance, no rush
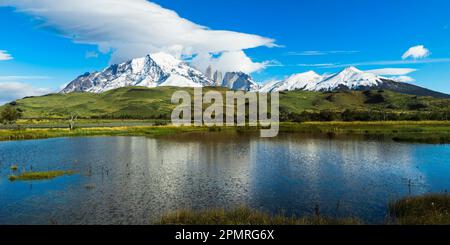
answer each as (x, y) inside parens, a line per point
(44, 175)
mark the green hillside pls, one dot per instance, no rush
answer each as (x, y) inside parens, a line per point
(154, 103)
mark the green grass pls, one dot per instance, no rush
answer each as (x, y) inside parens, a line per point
(155, 103)
(150, 131)
(422, 210)
(132, 102)
(434, 132)
(244, 216)
(39, 175)
(299, 101)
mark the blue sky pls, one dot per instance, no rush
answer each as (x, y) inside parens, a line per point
(41, 54)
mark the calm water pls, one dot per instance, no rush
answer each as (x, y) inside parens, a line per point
(133, 180)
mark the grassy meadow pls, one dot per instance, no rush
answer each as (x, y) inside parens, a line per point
(155, 103)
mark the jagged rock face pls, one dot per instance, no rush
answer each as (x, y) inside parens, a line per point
(232, 80)
(218, 78)
(239, 81)
(150, 71)
(208, 72)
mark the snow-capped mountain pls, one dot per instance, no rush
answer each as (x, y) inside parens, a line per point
(154, 70)
(162, 69)
(348, 79)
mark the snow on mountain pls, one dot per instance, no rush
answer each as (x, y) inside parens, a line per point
(154, 70)
(270, 86)
(180, 81)
(349, 78)
(302, 81)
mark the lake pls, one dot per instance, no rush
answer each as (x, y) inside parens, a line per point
(134, 180)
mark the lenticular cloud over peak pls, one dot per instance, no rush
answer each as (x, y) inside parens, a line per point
(135, 28)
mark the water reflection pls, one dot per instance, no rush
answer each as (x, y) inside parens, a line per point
(133, 180)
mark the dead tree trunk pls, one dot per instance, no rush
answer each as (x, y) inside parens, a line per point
(72, 120)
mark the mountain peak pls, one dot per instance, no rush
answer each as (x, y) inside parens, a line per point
(165, 59)
(158, 69)
(312, 73)
(352, 69)
(309, 74)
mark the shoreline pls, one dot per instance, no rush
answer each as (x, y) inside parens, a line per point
(431, 132)
(428, 209)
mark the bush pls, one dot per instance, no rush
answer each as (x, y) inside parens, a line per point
(10, 115)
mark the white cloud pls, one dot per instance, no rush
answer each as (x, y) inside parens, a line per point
(416, 52)
(135, 28)
(307, 53)
(10, 91)
(403, 79)
(4, 55)
(228, 62)
(386, 62)
(274, 63)
(392, 71)
(396, 74)
(91, 54)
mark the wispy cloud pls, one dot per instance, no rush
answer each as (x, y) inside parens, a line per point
(396, 74)
(387, 62)
(316, 65)
(91, 54)
(4, 55)
(10, 91)
(274, 63)
(403, 79)
(21, 78)
(392, 71)
(319, 53)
